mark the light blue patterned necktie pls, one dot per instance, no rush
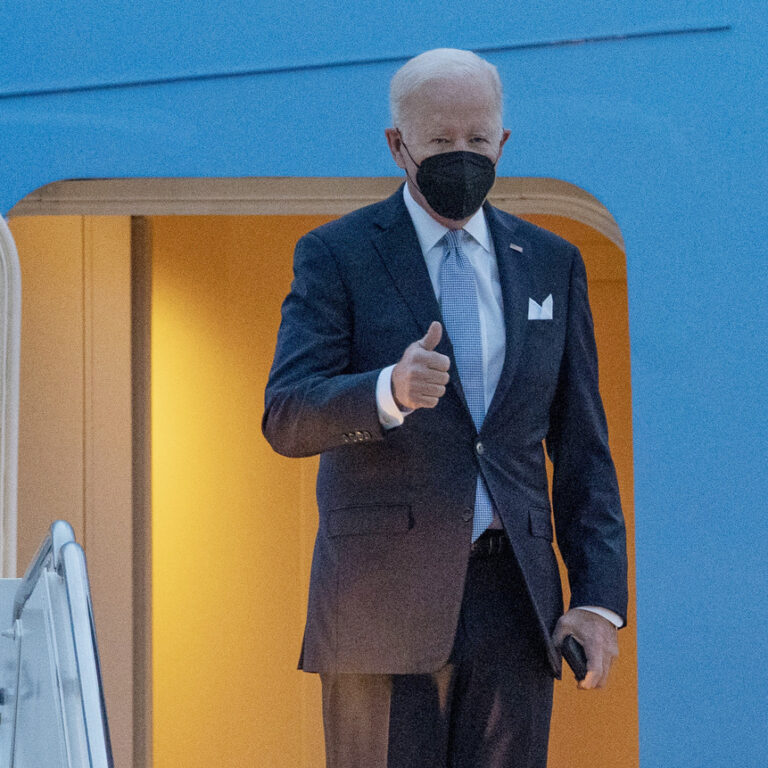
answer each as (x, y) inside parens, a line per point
(458, 303)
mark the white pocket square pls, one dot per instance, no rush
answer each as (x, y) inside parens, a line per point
(541, 311)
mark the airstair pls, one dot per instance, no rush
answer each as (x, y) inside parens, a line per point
(52, 712)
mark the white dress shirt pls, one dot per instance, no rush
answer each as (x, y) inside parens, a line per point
(478, 247)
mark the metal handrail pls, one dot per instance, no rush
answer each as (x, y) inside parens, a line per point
(61, 555)
(87, 656)
(60, 533)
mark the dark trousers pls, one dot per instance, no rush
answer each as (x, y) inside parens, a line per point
(488, 707)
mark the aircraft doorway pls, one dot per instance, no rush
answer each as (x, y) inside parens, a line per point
(232, 523)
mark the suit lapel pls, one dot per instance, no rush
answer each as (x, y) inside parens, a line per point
(398, 246)
(515, 281)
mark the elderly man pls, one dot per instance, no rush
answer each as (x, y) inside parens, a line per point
(430, 346)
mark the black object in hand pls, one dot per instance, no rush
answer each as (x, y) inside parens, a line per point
(573, 653)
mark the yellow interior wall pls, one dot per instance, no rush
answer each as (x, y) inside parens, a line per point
(233, 523)
(51, 403)
(75, 422)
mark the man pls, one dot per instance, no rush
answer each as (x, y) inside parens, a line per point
(428, 345)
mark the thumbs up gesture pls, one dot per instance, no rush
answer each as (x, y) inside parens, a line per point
(419, 379)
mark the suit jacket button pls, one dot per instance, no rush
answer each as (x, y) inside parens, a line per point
(480, 448)
(467, 515)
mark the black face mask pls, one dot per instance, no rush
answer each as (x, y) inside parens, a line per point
(455, 183)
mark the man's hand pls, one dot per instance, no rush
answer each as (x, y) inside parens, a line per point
(419, 379)
(598, 636)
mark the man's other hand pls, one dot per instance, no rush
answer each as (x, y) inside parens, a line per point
(598, 636)
(419, 379)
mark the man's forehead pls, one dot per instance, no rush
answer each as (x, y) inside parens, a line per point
(443, 100)
(444, 119)
(479, 87)
(430, 115)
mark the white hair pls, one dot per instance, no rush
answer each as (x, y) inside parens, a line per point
(439, 64)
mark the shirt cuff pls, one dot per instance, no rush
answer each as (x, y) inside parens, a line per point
(390, 415)
(606, 613)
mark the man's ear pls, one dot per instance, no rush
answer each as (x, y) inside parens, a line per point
(395, 143)
(505, 134)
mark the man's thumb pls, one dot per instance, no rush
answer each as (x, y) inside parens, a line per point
(433, 336)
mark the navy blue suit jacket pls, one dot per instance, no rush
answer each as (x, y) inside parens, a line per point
(395, 507)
